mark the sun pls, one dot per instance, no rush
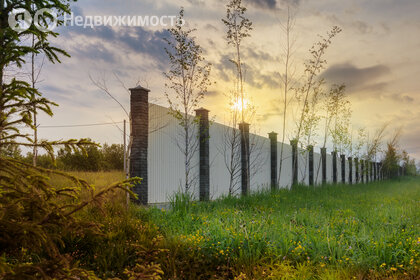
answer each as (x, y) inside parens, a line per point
(237, 105)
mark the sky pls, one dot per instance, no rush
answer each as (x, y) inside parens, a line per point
(377, 57)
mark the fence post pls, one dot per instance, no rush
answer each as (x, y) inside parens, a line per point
(356, 165)
(350, 159)
(245, 173)
(334, 161)
(324, 165)
(311, 164)
(381, 175)
(273, 159)
(371, 171)
(362, 170)
(139, 104)
(343, 169)
(204, 138)
(294, 143)
(366, 171)
(374, 171)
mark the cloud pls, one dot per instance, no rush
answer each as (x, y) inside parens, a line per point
(264, 4)
(357, 79)
(94, 52)
(136, 39)
(272, 4)
(402, 97)
(362, 27)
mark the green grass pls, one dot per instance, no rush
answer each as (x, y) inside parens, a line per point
(332, 232)
(366, 228)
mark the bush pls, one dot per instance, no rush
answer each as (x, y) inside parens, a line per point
(37, 219)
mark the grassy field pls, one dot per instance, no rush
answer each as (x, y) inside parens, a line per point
(331, 232)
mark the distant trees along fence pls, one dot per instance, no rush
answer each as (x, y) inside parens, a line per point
(156, 156)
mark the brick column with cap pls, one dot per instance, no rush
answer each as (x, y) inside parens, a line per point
(375, 178)
(334, 166)
(139, 104)
(356, 166)
(311, 164)
(324, 165)
(371, 171)
(245, 166)
(367, 166)
(362, 171)
(293, 143)
(204, 153)
(273, 159)
(343, 169)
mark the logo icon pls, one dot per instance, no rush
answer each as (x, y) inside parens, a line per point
(45, 20)
(20, 20)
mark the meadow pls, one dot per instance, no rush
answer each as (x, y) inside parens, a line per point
(365, 231)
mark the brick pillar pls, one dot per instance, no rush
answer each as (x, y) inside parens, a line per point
(356, 165)
(343, 169)
(375, 171)
(204, 137)
(273, 159)
(245, 172)
(367, 171)
(324, 165)
(350, 159)
(371, 170)
(139, 104)
(311, 164)
(381, 175)
(362, 170)
(293, 143)
(334, 167)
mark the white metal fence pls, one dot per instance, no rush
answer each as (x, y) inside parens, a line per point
(166, 173)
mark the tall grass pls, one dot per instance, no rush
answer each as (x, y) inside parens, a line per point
(362, 227)
(370, 231)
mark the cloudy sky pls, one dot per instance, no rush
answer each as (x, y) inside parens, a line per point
(377, 56)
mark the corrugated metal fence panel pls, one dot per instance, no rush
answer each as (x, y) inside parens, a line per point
(259, 162)
(303, 167)
(219, 160)
(166, 169)
(286, 169)
(329, 169)
(338, 169)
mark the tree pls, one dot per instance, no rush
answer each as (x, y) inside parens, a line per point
(336, 115)
(287, 78)
(338, 119)
(374, 144)
(238, 28)
(392, 156)
(188, 79)
(409, 164)
(231, 144)
(309, 94)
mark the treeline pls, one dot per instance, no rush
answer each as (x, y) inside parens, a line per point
(94, 158)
